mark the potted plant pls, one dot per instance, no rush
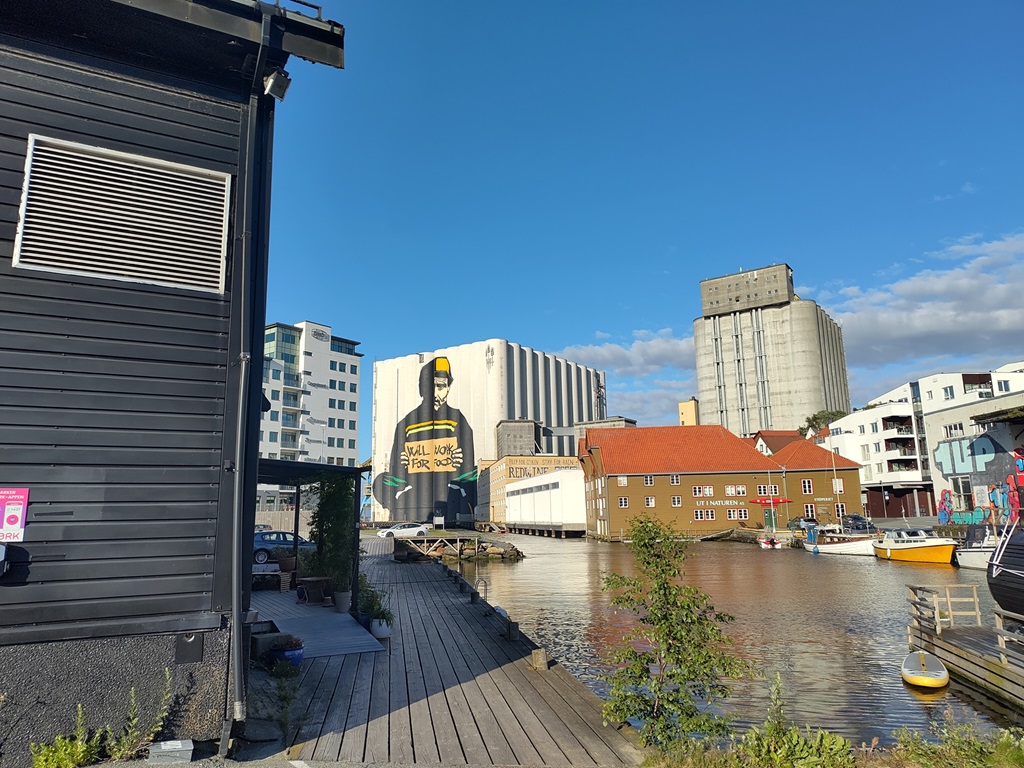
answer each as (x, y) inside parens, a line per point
(287, 648)
(380, 615)
(285, 557)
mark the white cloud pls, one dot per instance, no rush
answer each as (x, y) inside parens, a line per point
(963, 317)
(957, 312)
(652, 351)
(602, 335)
(941, 198)
(968, 188)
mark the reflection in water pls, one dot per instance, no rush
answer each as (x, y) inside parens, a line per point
(834, 627)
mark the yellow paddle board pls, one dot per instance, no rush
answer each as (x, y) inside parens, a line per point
(925, 670)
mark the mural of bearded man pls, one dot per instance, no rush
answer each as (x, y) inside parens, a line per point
(433, 469)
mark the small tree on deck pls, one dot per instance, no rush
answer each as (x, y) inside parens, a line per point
(673, 666)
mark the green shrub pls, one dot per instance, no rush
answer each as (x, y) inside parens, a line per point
(783, 745)
(87, 748)
(674, 664)
(81, 748)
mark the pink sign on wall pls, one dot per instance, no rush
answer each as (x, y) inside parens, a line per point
(13, 509)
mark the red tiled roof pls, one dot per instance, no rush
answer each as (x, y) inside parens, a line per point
(803, 454)
(683, 450)
(777, 439)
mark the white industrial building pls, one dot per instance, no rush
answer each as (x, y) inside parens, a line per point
(553, 504)
(311, 381)
(766, 359)
(427, 444)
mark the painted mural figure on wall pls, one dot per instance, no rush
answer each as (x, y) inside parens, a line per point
(432, 469)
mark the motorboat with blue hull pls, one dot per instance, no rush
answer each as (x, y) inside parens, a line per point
(1006, 571)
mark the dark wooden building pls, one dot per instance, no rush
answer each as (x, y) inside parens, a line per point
(135, 145)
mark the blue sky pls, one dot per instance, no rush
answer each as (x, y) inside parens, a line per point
(563, 174)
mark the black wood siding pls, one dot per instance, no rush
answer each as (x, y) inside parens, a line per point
(115, 398)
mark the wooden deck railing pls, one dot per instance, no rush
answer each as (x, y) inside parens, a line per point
(933, 608)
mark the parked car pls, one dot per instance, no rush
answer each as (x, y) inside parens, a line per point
(261, 527)
(265, 541)
(858, 523)
(403, 531)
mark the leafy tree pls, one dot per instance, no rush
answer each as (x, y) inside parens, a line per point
(818, 420)
(672, 669)
(332, 526)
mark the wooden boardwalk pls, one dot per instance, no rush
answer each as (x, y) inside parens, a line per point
(449, 688)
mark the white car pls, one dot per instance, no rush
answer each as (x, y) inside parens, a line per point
(403, 531)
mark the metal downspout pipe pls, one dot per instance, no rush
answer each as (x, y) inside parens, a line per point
(244, 372)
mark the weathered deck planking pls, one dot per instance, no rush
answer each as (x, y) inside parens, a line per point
(448, 687)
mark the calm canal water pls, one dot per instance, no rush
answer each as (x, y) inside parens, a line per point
(834, 627)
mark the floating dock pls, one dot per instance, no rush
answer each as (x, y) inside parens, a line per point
(947, 621)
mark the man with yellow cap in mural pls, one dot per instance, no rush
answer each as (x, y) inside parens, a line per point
(433, 469)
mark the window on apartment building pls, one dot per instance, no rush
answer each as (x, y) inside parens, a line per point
(1002, 385)
(860, 428)
(275, 394)
(352, 405)
(351, 425)
(275, 415)
(878, 469)
(877, 447)
(737, 514)
(677, 501)
(330, 459)
(809, 510)
(703, 514)
(865, 452)
(874, 426)
(352, 444)
(330, 442)
(837, 485)
(330, 423)
(341, 405)
(270, 337)
(953, 430)
(648, 480)
(333, 384)
(673, 479)
(767, 490)
(963, 492)
(840, 509)
(730, 490)
(351, 386)
(275, 374)
(948, 393)
(271, 455)
(352, 368)
(741, 490)
(334, 365)
(623, 502)
(261, 435)
(273, 437)
(331, 402)
(649, 502)
(807, 487)
(351, 462)
(623, 481)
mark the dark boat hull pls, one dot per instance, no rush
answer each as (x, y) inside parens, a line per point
(1007, 587)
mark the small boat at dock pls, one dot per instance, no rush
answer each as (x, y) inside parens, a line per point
(835, 540)
(978, 548)
(769, 542)
(1006, 571)
(914, 545)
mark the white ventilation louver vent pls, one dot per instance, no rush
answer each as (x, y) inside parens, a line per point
(92, 211)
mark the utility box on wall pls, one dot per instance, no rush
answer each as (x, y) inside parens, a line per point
(134, 208)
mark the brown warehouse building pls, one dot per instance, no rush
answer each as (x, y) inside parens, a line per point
(704, 480)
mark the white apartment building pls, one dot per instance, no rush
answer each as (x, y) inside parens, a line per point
(908, 438)
(766, 359)
(311, 379)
